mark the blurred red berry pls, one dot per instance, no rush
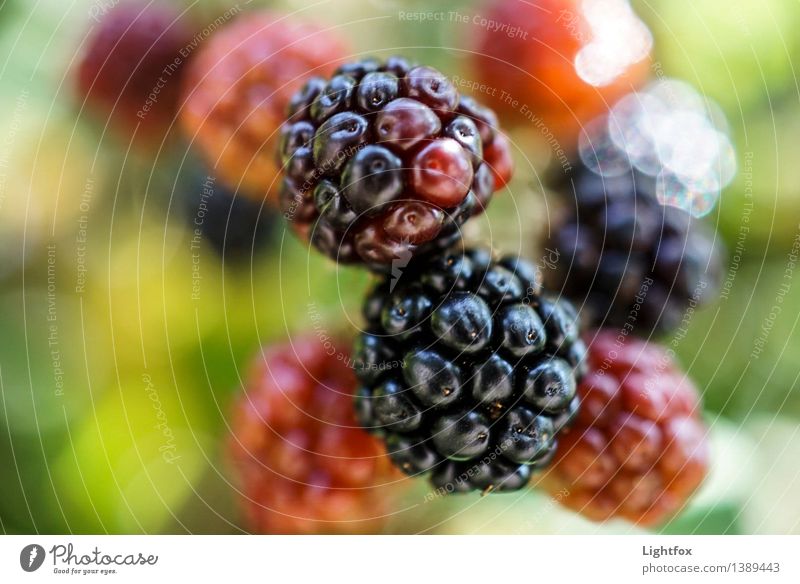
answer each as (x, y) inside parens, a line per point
(303, 464)
(637, 448)
(559, 62)
(239, 88)
(132, 67)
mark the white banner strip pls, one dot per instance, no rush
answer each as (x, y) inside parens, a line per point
(400, 559)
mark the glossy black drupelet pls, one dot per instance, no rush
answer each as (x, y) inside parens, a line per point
(468, 371)
(625, 259)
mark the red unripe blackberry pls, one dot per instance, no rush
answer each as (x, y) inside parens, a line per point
(239, 87)
(303, 464)
(386, 161)
(562, 61)
(132, 67)
(637, 448)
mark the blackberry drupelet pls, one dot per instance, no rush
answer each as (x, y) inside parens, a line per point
(467, 370)
(302, 463)
(625, 259)
(637, 448)
(385, 161)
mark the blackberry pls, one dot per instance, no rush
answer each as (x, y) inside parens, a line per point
(302, 463)
(637, 449)
(135, 53)
(468, 371)
(626, 259)
(239, 86)
(385, 161)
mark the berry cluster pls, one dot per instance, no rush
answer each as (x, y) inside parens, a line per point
(304, 465)
(134, 53)
(467, 371)
(637, 449)
(385, 160)
(238, 87)
(627, 260)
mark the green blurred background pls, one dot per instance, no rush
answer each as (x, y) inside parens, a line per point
(102, 342)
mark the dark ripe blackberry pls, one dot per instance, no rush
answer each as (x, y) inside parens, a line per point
(235, 226)
(405, 153)
(300, 167)
(370, 354)
(448, 272)
(628, 260)
(500, 476)
(467, 372)
(524, 271)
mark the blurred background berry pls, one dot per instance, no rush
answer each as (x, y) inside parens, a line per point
(638, 446)
(303, 464)
(239, 87)
(132, 65)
